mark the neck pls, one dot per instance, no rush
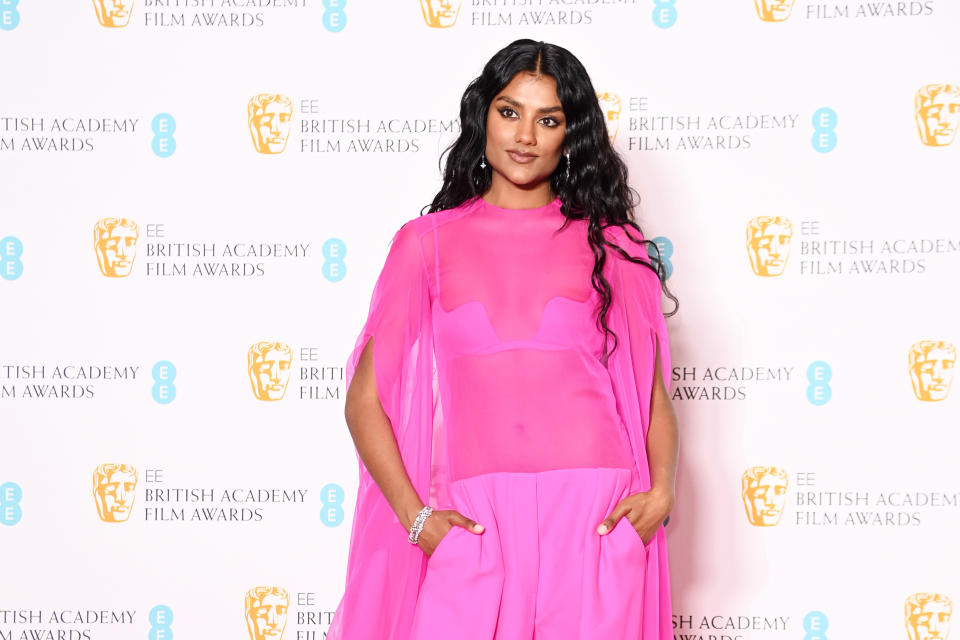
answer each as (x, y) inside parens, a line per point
(505, 194)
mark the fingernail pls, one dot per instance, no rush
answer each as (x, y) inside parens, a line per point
(602, 529)
(478, 527)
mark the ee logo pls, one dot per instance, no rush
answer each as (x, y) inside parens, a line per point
(334, 19)
(664, 13)
(665, 249)
(161, 616)
(10, 496)
(11, 267)
(819, 391)
(333, 250)
(163, 125)
(9, 16)
(824, 123)
(331, 513)
(163, 390)
(815, 624)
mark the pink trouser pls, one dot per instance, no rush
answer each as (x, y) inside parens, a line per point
(540, 570)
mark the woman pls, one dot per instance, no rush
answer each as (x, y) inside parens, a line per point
(510, 375)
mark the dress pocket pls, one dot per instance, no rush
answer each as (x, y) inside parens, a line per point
(635, 541)
(445, 542)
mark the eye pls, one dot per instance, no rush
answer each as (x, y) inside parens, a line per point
(504, 111)
(550, 122)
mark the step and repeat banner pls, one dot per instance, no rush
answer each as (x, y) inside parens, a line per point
(199, 194)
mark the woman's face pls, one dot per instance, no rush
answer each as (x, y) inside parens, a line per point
(525, 130)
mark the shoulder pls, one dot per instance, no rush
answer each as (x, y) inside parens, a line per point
(627, 238)
(424, 223)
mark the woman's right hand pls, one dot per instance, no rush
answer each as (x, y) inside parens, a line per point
(439, 523)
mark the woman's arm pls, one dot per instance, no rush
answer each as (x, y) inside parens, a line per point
(662, 441)
(377, 446)
(647, 510)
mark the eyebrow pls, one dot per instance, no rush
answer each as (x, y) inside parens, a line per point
(519, 105)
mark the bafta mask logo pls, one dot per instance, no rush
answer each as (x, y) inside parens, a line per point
(764, 494)
(268, 365)
(610, 103)
(937, 109)
(927, 616)
(269, 116)
(932, 363)
(440, 14)
(115, 242)
(773, 10)
(266, 612)
(113, 13)
(114, 488)
(768, 244)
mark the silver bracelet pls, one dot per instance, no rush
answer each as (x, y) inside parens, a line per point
(418, 524)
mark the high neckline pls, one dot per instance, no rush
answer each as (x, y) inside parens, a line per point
(554, 205)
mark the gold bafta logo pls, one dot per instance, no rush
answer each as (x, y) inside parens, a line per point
(927, 616)
(610, 104)
(440, 14)
(932, 363)
(773, 10)
(937, 109)
(269, 116)
(115, 242)
(113, 13)
(266, 612)
(268, 365)
(114, 488)
(764, 494)
(768, 244)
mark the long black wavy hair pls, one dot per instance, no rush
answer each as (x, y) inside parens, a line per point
(597, 189)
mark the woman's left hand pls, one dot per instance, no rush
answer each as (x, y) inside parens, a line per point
(645, 510)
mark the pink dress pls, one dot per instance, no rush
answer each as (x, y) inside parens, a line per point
(487, 362)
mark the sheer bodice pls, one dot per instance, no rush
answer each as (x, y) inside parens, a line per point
(521, 384)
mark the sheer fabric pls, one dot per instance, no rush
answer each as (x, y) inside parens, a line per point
(486, 358)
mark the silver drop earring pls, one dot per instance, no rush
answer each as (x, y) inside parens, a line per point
(483, 161)
(566, 174)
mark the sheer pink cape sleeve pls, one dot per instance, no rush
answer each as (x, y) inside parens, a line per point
(384, 570)
(637, 319)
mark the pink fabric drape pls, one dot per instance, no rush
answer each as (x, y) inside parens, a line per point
(385, 571)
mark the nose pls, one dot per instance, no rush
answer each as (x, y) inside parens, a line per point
(121, 495)
(937, 373)
(525, 133)
(275, 372)
(272, 617)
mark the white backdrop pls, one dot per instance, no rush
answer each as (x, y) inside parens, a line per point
(809, 116)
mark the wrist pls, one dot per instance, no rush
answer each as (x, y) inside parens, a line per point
(410, 514)
(664, 494)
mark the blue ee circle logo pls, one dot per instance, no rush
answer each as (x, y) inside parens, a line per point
(10, 496)
(334, 268)
(163, 126)
(824, 122)
(334, 19)
(331, 513)
(161, 617)
(665, 249)
(815, 624)
(819, 374)
(163, 389)
(9, 16)
(664, 13)
(11, 267)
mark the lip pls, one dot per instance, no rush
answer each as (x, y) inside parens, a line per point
(521, 157)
